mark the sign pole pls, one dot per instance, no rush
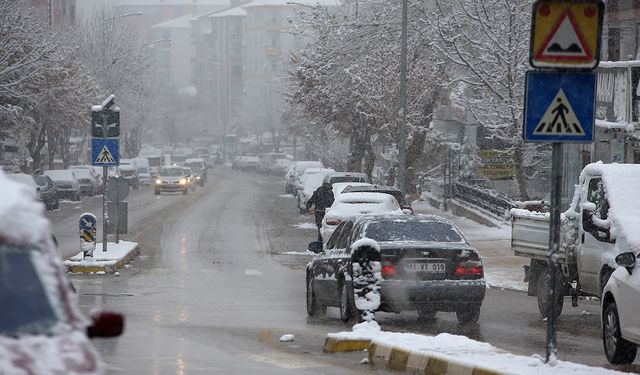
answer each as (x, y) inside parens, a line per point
(554, 248)
(105, 175)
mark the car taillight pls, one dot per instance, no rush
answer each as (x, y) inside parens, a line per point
(388, 270)
(333, 221)
(469, 268)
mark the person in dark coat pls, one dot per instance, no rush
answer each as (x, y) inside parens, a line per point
(322, 199)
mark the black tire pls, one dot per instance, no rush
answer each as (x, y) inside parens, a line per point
(469, 314)
(425, 313)
(544, 301)
(617, 349)
(314, 309)
(348, 309)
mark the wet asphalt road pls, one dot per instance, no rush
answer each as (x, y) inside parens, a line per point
(215, 288)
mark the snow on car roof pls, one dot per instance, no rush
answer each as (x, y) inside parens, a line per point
(365, 197)
(621, 183)
(22, 220)
(59, 174)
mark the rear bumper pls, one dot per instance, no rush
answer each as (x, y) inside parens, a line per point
(443, 295)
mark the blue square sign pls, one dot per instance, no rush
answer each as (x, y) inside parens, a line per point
(105, 152)
(559, 107)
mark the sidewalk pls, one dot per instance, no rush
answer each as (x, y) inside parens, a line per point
(502, 268)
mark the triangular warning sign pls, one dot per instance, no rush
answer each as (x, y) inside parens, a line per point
(565, 41)
(559, 118)
(104, 156)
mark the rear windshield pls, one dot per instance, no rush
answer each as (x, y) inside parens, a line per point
(334, 180)
(412, 231)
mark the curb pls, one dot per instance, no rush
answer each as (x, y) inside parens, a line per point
(109, 266)
(404, 360)
(332, 345)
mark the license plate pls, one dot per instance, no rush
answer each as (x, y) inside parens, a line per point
(426, 267)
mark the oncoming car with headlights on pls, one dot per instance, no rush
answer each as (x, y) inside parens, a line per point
(171, 179)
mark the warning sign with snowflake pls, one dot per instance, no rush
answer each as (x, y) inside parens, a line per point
(559, 107)
(566, 34)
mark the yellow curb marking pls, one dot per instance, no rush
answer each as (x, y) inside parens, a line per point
(332, 345)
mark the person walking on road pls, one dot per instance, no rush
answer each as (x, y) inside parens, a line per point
(322, 199)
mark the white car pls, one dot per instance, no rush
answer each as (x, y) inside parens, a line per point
(295, 172)
(66, 183)
(311, 180)
(356, 204)
(339, 187)
(620, 311)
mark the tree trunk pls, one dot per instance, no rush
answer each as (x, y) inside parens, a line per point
(521, 177)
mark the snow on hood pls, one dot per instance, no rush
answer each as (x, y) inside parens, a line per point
(621, 182)
(22, 219)
(67, 354)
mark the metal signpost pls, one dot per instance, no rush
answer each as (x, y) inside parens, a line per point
(88, 224)
(105, 146)
(117, 208)
(560, 100)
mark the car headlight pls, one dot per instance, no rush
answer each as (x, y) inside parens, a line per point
(158, 182)
(198, 177)
(183, 181)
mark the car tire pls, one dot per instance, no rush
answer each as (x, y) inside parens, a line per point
(157, 192)
(617, 349)
(469, 314)
(544, 298)
(314, 309)
(347, 306)
(426, 313)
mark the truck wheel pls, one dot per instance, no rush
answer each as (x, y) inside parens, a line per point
(617, 349)
(544, 298)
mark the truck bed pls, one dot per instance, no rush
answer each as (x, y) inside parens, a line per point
(530, 235)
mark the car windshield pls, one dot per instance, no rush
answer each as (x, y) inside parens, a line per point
(172, 172)
(40, 180)
(412, 231)
(26, 308)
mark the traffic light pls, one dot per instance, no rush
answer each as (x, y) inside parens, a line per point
(112, 124)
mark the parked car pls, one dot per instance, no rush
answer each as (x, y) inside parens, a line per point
(334, 177)
(397, 194)
(47, 192)
(42, 185)
(619, 311)
(426, 265)
(42, 330)
(310, 181)
(295, 172)
(357, 204)
(87, 180)
(96, 175)
(339, 187)
(246, 163)
(142, 167)
(171, 179)
(199, 168)
(66, 183)
(268, 161)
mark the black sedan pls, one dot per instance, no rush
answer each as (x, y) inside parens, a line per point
(426, 265)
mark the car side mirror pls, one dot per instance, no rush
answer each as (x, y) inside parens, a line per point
(315, 247)
(106, 324)
(626, 260)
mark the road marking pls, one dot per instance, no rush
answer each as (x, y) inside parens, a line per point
(253, 272)
(283, 360)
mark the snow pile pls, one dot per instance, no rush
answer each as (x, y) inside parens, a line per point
(22, 219)
(305, 226)
(365, 242)
(466, 352)
(287, 338)
(621, 183)
(115, 252)
(367, 277)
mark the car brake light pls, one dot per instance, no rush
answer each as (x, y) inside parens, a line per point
(388, 270)
(469, 268)
(333, 221)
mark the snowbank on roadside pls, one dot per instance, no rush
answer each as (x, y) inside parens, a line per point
(115, 252)
(465, 351)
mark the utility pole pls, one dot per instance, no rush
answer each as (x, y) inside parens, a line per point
(402, 131)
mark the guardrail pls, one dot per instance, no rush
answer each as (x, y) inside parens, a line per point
(485, 199)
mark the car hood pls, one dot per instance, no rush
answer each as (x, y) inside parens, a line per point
(171, 178)
(69, 353)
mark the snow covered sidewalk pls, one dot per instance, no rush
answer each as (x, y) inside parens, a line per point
(502, 269)
(116, 256)
(451, 354)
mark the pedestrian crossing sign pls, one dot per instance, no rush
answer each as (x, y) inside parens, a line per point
(566, 34)
(105, 152)
(559, 107)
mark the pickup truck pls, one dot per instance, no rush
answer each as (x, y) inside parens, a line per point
(602, 221)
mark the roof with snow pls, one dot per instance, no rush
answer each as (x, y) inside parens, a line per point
(183, 22)
(230, 12)
(267, 3)
(171, 2)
